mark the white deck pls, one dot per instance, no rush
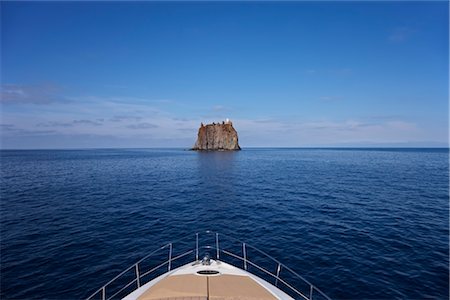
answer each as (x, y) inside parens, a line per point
(230, 283)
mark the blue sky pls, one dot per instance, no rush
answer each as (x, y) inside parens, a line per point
(289, 74)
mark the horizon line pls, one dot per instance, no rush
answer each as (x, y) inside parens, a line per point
(242, 148)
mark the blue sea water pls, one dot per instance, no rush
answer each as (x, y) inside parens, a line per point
(358, 223)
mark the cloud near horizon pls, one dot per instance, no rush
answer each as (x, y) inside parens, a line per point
(328, 132)
(113, 120)
(41, 94)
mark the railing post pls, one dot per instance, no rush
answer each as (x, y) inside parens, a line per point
(170, 256)
(245, 256)
(104, 293)
(138, 278)
(196, 246)
(311, 291)
(278, 274)
(217, 246)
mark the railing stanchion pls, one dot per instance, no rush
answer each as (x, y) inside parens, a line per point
(196, 246)
(138, 279)
(217, 245)
(245, 256)
(225, 255)
(278, 274)
(170, 256)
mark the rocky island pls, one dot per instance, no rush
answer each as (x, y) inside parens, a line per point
(217, 137)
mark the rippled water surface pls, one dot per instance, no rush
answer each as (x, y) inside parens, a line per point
(358, 223)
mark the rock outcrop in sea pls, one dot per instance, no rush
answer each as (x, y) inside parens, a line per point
(217, 137)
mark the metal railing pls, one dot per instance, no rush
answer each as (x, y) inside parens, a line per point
(134, 276)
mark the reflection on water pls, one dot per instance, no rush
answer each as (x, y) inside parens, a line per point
(216, 173)
(216, 161)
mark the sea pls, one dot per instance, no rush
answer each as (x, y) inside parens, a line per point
(356, 223)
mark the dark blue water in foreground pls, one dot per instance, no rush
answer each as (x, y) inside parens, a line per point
(358, 223)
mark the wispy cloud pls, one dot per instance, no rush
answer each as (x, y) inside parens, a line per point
(329, 98)
(252, 132)
(115, 86)
(143, 125)
(344, 71)
(125, 118)
(387, 117)
(116, 120)
(327, 132)
(11, 129)
(215, 113)
(311, 71)
(400, 34)
(97, 122)
(55, 124)
(265, 121)
(219, 108)
(7, 127)
(341, 71)
(30, 94)
(163, 101)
